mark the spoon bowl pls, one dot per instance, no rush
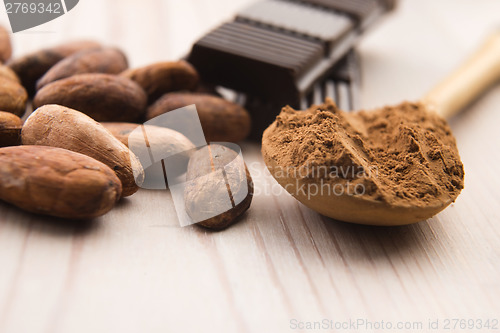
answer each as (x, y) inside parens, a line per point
(352, 208)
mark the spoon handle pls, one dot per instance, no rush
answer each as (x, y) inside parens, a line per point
(467, 82)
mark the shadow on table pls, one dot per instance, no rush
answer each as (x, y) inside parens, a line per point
(13, 216)
(369, 243)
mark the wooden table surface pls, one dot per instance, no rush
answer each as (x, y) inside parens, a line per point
(137, 270)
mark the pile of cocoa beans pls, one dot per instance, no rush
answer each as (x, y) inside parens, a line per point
(70, 158)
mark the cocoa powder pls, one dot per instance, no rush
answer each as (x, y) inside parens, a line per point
(402, 155)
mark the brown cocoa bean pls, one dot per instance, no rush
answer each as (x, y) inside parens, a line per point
(57, 182)
(101, 60)
(162, 77)
(10, 129)
(162, 142)
(121, 131)
(5, 45)
(33, 66)
(217, 179)
(103, 97)
(9, 74)
(220, 119)
(59, 126)
(170, 141)
(13, 97)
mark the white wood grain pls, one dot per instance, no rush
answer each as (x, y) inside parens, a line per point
(136, 270)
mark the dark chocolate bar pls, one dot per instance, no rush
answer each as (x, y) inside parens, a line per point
(342, 85)
(279, 49)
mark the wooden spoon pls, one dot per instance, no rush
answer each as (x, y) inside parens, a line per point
(450, 96)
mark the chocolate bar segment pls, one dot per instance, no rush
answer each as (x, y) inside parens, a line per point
(279, 49)
(342, 85)
(360, 9)
(252, 58)
(301, 19)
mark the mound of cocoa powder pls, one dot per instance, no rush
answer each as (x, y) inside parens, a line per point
(402, 155)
